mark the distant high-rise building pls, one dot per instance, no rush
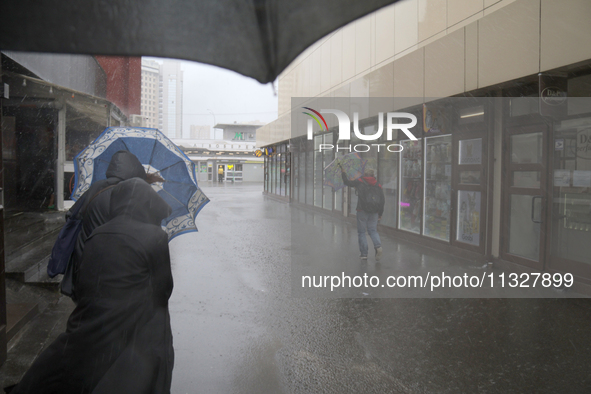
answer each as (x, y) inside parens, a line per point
(162, 96)
(171, 99)
(150, 93)
(200, 132)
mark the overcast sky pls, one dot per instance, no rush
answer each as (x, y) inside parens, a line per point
(228, 95)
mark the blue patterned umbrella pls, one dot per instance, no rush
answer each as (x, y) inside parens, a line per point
(160, 156)
(353, 165)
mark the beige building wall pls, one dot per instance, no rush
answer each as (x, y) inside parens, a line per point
(171, 96)
(435, 48)
(150, 93)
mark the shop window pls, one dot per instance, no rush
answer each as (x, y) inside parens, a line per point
(327, 157)
(526, 179)
(277, 180)
(438, 187)
(388, 178)
(571, 192)
(470, 151)
(468, 220)
(309, 175)
(520, 106)
(524, 233)
(282, 174)
(470, 177)
(579, 95)
(302, 177)
(411, 186)
(526, 148)
(296, 175)
(318, 172)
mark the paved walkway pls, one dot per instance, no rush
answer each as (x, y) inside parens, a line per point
(239, 328)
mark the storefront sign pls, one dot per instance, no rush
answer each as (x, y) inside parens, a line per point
(559, 144)
(553, 96)
(345, 128)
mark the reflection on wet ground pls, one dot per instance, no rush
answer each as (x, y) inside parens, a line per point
(324, 249)
(239, 329)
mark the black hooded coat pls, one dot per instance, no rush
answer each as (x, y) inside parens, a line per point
(123, 165)
(118, 338)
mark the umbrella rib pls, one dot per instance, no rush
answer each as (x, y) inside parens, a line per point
(172, 165)
(180, 183)
(124, 144)
(173, 197)
(152, 154)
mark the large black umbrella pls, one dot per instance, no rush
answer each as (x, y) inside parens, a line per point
(257, 38)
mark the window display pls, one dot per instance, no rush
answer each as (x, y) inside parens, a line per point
(437, 187)
(471, 151)
(577, 211)
(388, 178)
(470, 177)
(327, 157)
(469, 217)
(411, 186)
(318, 172)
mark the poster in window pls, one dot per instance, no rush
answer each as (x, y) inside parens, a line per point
(561, 178)
(435, 119)
(471, 151)
(469, 217)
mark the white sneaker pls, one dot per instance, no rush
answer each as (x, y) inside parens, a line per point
(363, 257)
(378, 253)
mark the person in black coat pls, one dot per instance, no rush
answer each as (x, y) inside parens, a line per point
(123, 165)
(118, 338)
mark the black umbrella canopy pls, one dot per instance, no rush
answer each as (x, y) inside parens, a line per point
(256, 38)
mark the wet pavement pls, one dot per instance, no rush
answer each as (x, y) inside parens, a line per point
(239, 328)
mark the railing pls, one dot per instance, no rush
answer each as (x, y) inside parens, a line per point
(234, 176)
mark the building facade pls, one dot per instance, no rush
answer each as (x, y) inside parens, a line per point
(150, 86)
(199, 132)
(52, 107)
(230, 159)
(504, 177)
(123, 82)
(170, 115)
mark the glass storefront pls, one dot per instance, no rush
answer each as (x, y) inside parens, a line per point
(471, 192)
(309, 175)
(571, 191)
(282, 171)
(277, 172)
(327, 157)
(438, 187)
(411, 186)
(434, 186)
(388, 178)
(468, 220)
(318, 171)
